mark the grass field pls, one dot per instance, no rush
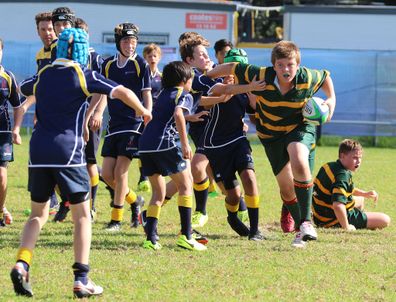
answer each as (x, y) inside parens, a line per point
(340, 266)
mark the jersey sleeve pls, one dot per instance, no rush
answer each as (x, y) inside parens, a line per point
(186, 102)
(339, 191)
(146, 81)
(314, 78)
(203, 83)
(14, 98)
(97, 83)
(26, 87)
(244, 73)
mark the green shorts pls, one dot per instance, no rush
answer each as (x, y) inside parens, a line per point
(277, 150)
(358, 218)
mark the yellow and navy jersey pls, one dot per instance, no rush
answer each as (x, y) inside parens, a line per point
(8, 94)
(54, 47)
(62, 90)
(161, 133)
(95, 61)
(278, 114)
(333, 183)
(135, 75)
(43, 56)
(156, 85)
(201, 86)
(225, 124)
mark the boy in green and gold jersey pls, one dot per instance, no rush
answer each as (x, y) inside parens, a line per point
(336, 201)
(287, 139)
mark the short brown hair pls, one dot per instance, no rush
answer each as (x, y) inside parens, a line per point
(188, 44)
(45, 16)
(349, 145)
(80, 23)
(285, 50)
(150, 48)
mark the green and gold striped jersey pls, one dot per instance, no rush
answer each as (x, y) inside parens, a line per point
(332, 184)
(277, 114)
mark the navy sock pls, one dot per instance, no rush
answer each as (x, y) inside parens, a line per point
(185, 220)
(81, 272)
(24, 264)
(151, 228)
(254, 219)
(237, 225)
(242, 204)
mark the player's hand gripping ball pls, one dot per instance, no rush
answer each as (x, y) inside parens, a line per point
(315, 111)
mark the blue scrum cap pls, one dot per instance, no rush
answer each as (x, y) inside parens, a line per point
(73, 44)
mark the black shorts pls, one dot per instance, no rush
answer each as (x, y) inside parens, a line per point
(92, 146)
(6, 148)
(228, 160)
(70, 180)
(121, 144)
(165, 162)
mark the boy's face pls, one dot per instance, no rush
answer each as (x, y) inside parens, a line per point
(200, 59)
(152, 58)
(286, 69)
(128, 46)
(351, 160)
(220, 55)
(60, 26)
(46, 32)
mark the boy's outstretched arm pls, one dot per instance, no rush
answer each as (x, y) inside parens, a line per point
(340, 212)
(221, 70)
(328, 89)
(366, 194)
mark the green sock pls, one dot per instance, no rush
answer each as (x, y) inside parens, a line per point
(303, 191)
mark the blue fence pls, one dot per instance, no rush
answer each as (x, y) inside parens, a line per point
(365, 82)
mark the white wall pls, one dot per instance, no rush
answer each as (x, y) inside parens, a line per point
(341, 30)
(17, 20)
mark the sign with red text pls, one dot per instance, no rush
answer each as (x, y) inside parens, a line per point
(206, 21)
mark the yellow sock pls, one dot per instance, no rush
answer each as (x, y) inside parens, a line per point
(117, 214)
(153, 211)
(252, 201)
(131, 197)
(232, 208)
(25, 254)
(184, 201)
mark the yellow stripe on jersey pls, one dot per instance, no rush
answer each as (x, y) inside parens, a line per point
(107, 67)
(270, 116)
(329, 173)
(179, 93)
(330, 224)
(341, 191)
(321, 218)
(280, 104)
(350, 206)
(236, 80)
(308, 83)
(247, 74)
(82, 79)
(7, 78)
(321, 187)
(278, 128)
(263, 136)
(321, 203)
(137, 66)
(38, 79)
(270, 87)
(262, 73)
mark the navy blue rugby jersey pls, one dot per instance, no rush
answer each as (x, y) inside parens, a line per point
(161, 133)
(8, 94)
(43, 56)
(225, 125)
(62, 90)
(135, 75)
(95, 61)
(201, 86)
(156, 85)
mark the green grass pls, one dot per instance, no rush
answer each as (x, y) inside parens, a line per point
(340, 266)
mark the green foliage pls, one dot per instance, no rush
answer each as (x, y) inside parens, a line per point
(340, 266)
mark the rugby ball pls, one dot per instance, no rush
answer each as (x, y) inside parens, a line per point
(315, 111)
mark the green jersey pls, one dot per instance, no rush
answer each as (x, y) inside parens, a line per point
(278, 114)
(332, 184)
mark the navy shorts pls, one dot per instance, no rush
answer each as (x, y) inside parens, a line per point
(228, 160)
(92, 146)
(70, 180)
(122, 144)
(165, 162)
(6, 149)
(197, 136)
